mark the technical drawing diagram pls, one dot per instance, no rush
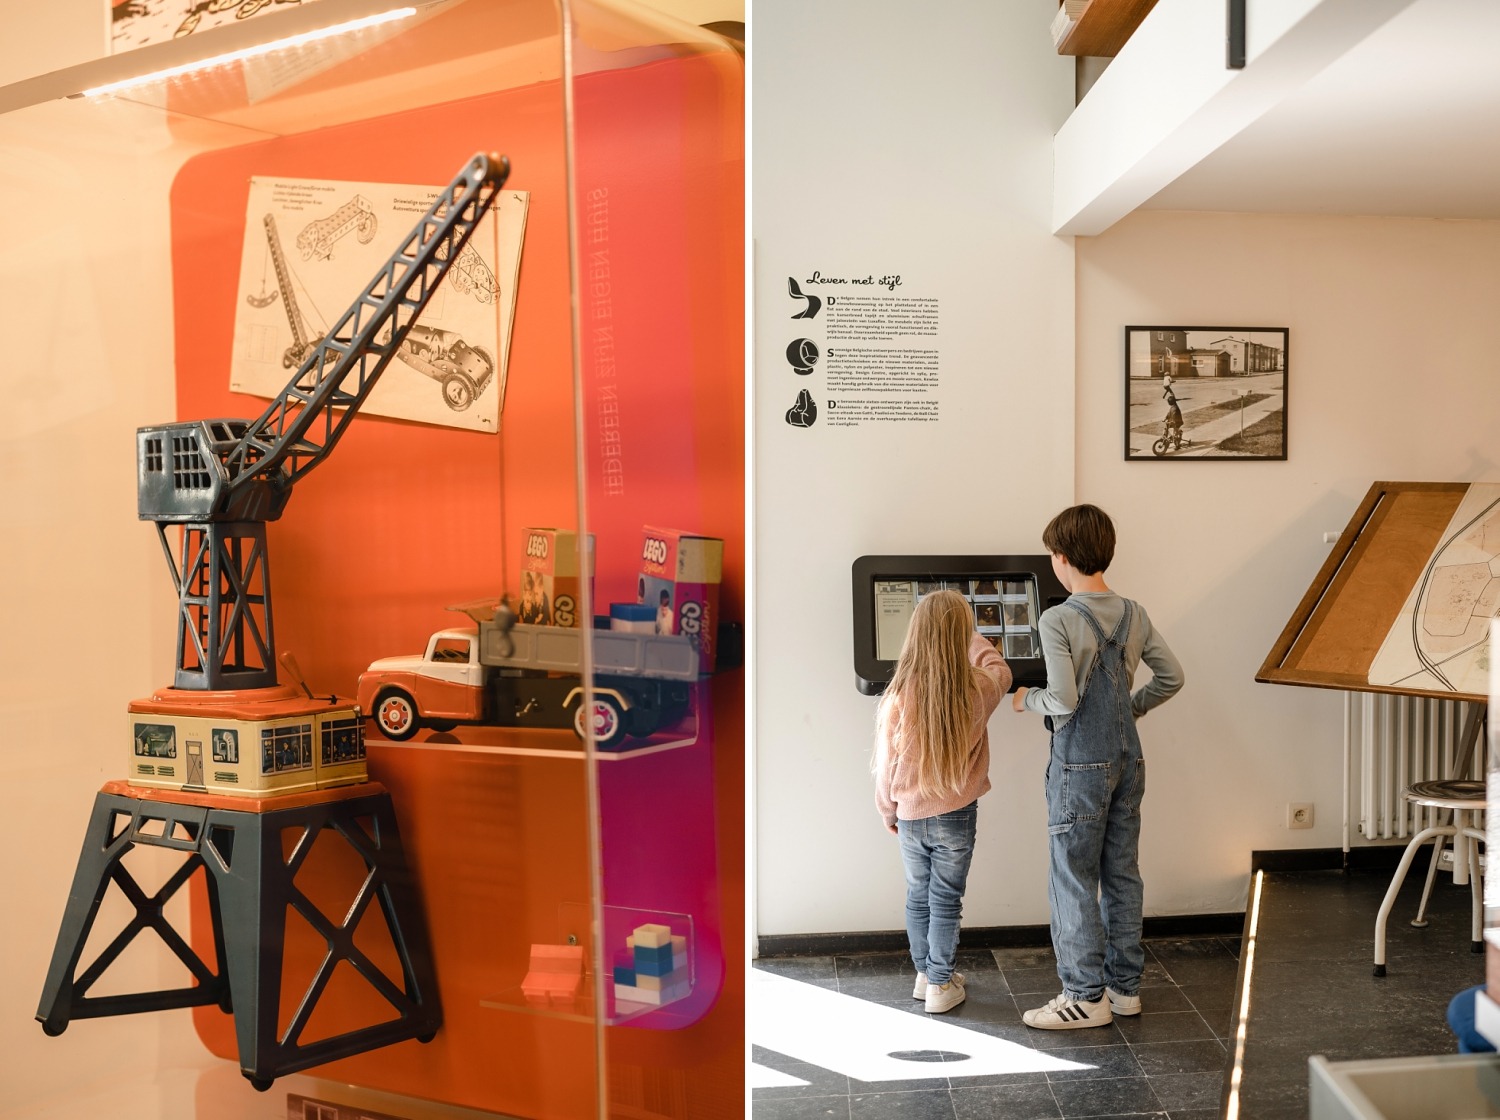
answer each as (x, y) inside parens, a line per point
(803, 414)
(311, 244)
(317, 238)
(135, 23)
(470, 276)
(1440, 640)
(302, 337)
(802, 353)
(464, 371)
(814, 303)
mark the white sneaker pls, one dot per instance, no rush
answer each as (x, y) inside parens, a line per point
(1121, 1004)
(919, 991)
(1064, 1014)
(945, 997)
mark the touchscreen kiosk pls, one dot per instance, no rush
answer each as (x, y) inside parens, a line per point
(1007, 593)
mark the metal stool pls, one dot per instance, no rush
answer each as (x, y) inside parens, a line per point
(1458, 797)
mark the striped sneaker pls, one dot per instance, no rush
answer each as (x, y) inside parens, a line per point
(1123, 1004)
(1065, 1014)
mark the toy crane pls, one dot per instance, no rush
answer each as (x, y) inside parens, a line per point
(223, 480)
(229, 728)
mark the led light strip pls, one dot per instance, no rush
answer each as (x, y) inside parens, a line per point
(252, 52)
(1232, 1111)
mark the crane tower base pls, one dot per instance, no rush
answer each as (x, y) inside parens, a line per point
(256, 858)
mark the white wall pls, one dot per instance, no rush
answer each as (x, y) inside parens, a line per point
(1390, 378)
(1390, 371)
(84, 590)
(888, 138)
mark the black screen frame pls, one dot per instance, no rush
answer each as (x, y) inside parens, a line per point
(872, 674)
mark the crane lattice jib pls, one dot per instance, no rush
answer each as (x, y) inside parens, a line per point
(305, 421)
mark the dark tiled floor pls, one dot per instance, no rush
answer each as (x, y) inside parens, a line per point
(1168, 1061)
(1312, 992)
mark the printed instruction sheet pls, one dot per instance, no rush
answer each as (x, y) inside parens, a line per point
(311, 247)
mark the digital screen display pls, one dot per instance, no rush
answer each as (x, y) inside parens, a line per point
(1006, 593)
(1006, 609)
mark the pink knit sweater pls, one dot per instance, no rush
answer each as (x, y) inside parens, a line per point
(896, 793)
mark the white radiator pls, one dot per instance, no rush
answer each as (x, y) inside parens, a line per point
(1391, 742)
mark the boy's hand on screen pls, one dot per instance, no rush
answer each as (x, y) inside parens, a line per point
(1018, 700)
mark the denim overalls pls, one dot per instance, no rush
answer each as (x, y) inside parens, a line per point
(1095, 780)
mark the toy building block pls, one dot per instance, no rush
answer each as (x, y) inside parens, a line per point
(654, 968)
(555, 974)
(652, 936)
(625, 994)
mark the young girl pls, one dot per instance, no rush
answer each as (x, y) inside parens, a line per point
(932, 762)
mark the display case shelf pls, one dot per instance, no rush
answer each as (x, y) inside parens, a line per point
(575, 921)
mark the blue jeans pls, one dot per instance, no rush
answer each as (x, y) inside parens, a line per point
(1096, 778)
(936, 852)
(1461, 1022)
(1094, 885)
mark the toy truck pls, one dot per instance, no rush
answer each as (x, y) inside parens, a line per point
(507, 674)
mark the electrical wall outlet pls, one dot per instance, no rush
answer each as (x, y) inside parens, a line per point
(1299, 814)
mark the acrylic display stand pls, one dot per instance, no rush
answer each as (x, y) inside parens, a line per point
(252, 889)
(572, 932)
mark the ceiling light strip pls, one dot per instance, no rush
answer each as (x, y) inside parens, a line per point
(252, 52)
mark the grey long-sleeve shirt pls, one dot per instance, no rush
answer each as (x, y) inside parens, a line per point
(1069, 647)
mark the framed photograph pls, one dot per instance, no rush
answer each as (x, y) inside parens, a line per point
(1205, 393)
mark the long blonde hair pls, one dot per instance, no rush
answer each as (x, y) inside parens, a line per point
(936, 687)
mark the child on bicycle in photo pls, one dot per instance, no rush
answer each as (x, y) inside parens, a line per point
(931, 765)
(1173, 424)
(1092, 642)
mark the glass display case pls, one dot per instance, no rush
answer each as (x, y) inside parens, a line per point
(559, 459)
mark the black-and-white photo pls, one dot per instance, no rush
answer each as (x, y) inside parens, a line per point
(1205, 393)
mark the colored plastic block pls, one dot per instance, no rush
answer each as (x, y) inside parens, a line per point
(556, 972)
(655, 983)
(658, 996)
(652, 936)
(653, 962)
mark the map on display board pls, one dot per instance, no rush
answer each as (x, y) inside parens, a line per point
(1440, 639)
(311, 246)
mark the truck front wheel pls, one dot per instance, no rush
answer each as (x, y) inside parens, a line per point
(396, 715)
(604, 717)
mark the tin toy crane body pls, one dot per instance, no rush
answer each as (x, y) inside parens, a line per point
(221, 481)
(228, 727)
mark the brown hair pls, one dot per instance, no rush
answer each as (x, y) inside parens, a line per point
(1084, 536)
(937, 688)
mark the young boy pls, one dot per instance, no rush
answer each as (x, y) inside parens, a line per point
(1172, 425)
(1096, 777)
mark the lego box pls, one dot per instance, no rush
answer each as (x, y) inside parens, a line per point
(552, 574)
(680, 577)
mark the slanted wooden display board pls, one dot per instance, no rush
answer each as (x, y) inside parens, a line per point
(1339, 626)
